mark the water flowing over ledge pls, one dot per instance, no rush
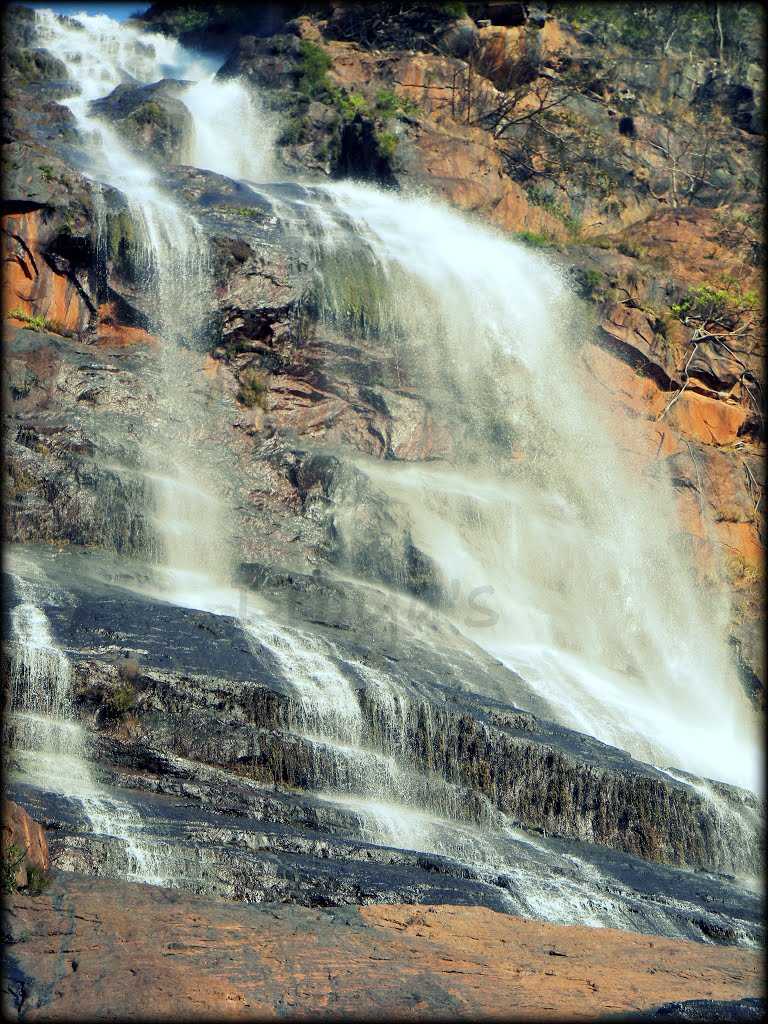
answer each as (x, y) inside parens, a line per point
(554, 609)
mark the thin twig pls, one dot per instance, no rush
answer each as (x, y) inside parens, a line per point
(684, 374)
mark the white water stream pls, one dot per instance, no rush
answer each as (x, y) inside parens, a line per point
(48, 742)
(579, 560)
(593, 601)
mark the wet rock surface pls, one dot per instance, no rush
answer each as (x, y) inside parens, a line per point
(207, 759)
(152, 119)
(164, 954)
(213, 724)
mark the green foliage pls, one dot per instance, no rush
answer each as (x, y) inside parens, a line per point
(533, 238)
(13, 858)
(349, 104)
(548, 202)
(35, 323)
(653, 28)
(254, 388)
(244, 211)
(46, 172)
(122, 699)
(389, 104)
(592, 280)
(293, 132)
(706, 302)
(189, 19)
(387, 143)
(315, 64)
(454, 8)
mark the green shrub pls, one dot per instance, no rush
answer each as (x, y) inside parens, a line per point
(13, 858)
(254, 388)
(315, 63)
(592, 280)
(244, 211)
(350, 104)
(389, 104)
(705, 302)
(387, 143)
(533, 238)
(454, 8)
(122, 699)
(292, 132)
(35, 323)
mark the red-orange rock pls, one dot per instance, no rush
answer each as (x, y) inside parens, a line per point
(29, 283)
(137, 953)
(701, 418)
(18, 829)
(112, 334)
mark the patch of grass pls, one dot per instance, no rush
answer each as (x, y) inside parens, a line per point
(46, 172)
(254, 388)
(13, 858)
(387, 143)
(548, 202)
(627, 248)
(389, 104)
(533, 238)
(35, 322)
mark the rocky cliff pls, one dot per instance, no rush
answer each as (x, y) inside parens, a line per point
(332, 735)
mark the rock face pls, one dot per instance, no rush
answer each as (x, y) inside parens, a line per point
(152, 119)
(167, 955)
(23, 840)
(454, 125)
(214, 753)
(435, 776)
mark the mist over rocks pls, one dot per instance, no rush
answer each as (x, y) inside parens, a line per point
(383, 515)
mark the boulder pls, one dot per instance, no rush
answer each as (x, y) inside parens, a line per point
(151, 118)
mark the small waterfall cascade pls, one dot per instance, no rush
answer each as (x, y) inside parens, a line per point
(233, 134)
(49, 745)
(169, 266)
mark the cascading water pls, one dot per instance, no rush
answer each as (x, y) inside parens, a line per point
(599, 612)
(49, 744)
(535, 508)
(169, 264)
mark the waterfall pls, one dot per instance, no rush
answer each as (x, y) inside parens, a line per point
(587, 589)
(170, 268)
(587, 592)
(49, 744)
(233, 134)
